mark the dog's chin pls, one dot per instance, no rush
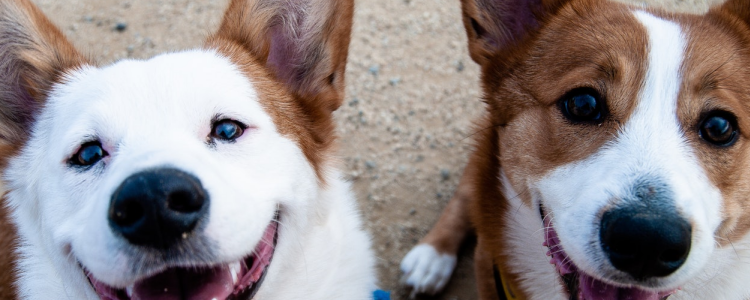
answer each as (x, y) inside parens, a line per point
(237, 280)
(582, 286)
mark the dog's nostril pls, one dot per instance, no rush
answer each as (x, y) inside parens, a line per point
(184, 202)
(623, 248)
(673, 255)
(127, 214)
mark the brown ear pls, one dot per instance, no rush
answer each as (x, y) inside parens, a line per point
(497, 25)
(304, 43)
(34, 55)
(739, 8)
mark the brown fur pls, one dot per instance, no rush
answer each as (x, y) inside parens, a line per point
(599, 45)
(34, 55)
(453, 226)
(717, 62)
(315, 83)
(7, 255)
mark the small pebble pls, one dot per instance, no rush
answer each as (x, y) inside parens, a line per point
(445, 174)
(121, 26)
(374, 70)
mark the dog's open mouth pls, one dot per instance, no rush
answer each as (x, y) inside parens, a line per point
(582, 286)
(238, 280)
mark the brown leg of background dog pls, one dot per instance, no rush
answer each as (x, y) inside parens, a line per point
(486, 286)
(454, 224)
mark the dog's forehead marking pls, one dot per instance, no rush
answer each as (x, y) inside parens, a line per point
(654, 120)
(654, 137)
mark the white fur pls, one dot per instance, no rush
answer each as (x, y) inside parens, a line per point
(525, 235)
(426, 270)
(158, 113)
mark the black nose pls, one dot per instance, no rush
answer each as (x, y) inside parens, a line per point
(157, 208)
(645, 242)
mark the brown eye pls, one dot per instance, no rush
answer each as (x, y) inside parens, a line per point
(719, 128)
(227, 130)
(583, 106)
(89, 154)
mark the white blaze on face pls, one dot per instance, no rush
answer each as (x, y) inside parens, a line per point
(650, 146)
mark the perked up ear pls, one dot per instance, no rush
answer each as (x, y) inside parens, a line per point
(497, 25)
(34, 55)
(304, 43)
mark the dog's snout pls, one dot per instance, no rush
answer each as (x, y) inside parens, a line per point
(157, 208)
(645, 242)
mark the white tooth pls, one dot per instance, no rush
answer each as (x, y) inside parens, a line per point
(234, 269)
(129, 291)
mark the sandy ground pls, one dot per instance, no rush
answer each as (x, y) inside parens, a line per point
(406, 122)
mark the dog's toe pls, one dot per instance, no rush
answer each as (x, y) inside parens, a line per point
(426, 270)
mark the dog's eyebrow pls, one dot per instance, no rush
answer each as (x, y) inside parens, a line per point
(77, 142)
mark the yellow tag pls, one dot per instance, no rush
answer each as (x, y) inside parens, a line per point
(509, 292)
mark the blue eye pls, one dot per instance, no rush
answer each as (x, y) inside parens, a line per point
(227, 130)
(89, 154)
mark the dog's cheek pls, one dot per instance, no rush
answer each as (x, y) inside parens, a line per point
(247, 193)
(573, 195)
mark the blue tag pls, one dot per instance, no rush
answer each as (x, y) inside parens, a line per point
(381, 295)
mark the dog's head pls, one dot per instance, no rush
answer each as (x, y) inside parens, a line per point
(626, 131)
(189, 174)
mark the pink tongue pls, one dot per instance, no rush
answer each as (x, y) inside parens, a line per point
(178, 283)
(590, 289)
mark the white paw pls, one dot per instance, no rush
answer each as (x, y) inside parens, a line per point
(426, 270)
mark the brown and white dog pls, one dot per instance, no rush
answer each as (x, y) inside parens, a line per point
(614, 158)
(200, 174)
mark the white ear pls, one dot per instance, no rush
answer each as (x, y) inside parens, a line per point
(303, 43)
(34, 55)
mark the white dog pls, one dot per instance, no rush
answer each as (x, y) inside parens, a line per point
(202, 174)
